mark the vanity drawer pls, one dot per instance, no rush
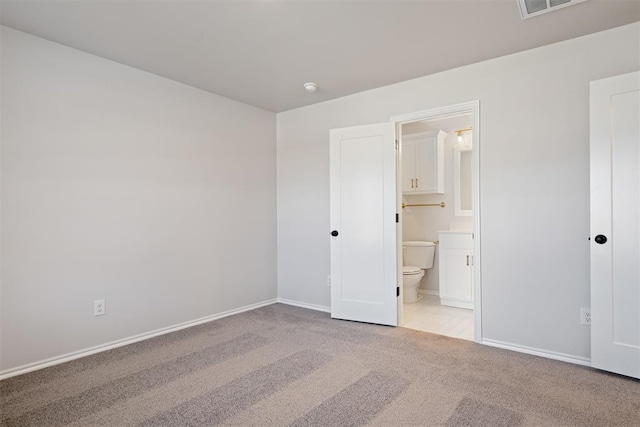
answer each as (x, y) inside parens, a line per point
(456, 240)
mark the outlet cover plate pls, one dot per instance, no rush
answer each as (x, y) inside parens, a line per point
(585, 316)
(99, 307)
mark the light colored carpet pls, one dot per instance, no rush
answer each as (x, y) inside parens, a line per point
(287, 366)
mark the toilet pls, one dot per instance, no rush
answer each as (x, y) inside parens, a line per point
(416, 258)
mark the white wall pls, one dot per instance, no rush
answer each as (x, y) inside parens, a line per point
(123, 185)
(534, 180)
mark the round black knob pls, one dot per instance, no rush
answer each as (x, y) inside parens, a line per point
(600, 239)
(334, 233)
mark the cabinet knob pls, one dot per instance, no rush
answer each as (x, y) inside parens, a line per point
(334, 233)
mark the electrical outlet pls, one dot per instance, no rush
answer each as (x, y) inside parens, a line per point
(585, 316)
(329, 280)
(99, 307)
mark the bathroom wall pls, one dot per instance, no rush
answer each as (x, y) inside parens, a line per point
(123, 185)
(534, 182)
(423, 223)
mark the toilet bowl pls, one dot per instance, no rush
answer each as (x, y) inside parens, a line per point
(416, 257)
(411, 277)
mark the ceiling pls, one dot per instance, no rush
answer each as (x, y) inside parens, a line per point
(261, 52)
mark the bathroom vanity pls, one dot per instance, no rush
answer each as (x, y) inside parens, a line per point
(456, 268)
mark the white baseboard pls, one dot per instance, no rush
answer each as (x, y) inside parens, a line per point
(428, 292)
(538, 352)
(305, 305)
(119, 343)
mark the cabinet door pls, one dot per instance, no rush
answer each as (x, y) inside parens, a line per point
(426, 165)
(456, 287)
(408, 166)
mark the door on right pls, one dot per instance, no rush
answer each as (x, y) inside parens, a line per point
(615, 224)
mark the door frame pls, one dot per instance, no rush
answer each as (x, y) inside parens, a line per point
(473, 108)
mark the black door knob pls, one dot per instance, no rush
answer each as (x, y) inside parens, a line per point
(600, 239)
(334, 233)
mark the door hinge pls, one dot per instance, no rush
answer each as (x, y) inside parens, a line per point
(397, 145)
(397, 291)
(397, 218)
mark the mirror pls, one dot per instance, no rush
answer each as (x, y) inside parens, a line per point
(463, 181)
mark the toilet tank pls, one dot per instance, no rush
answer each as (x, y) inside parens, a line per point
(418, 254)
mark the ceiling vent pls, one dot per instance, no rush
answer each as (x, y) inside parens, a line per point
(531, 8)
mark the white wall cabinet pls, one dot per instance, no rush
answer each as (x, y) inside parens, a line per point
(423, 163)
(456, 269)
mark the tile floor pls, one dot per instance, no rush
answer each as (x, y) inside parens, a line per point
(429, 316)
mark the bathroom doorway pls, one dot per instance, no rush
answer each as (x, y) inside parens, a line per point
(438, 202)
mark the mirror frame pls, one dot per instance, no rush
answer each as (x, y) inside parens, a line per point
(457, 202)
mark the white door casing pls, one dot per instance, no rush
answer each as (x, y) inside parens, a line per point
(615, 215)
(473, 108)
(363, 213)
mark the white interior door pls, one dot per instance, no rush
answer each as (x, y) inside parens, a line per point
(363, 224)
(615, 224)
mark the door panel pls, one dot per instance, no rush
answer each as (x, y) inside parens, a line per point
(363, 208)
(615, 214)
(625, 223)
(362, 218)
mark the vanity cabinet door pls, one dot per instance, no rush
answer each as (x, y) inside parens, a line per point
(456, 277)
(456, 270)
